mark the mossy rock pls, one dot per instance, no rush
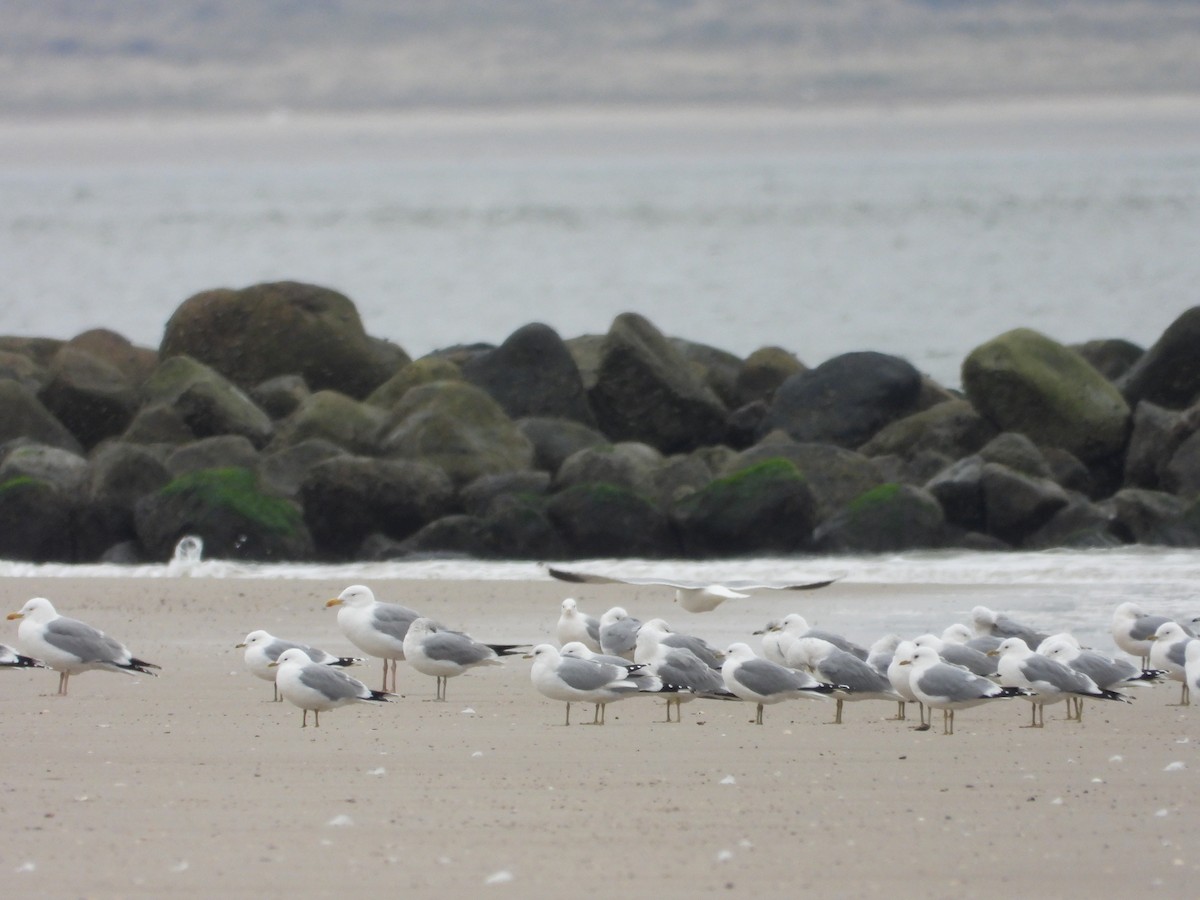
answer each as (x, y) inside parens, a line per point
(206, 402)
(1025, 382)
(334, 417)
(765, 508)
(36, 521)
(228, 509)
(886, 519)
(426, 370)
(598, 520)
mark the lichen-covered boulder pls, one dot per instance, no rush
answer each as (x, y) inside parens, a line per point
(206, 402)
(601, 520)
(282, 328)
(458, 427)
(628, 464)
(37, 521)
(1025, 382)
(887, 519)
(92, 398)
(765, 508)
(227, 509)
(1169, 372)
(224, 451)
(66, 471)
(1155, 518)
(133, 362)
(532, 374)
(646, 391)
(426, 370)
(120, 474)
(348, 498)
(845, 400)
(22, 415)
(283, 471)
(954, 429)
(279, 397)
(555, 440)
(333, 417)
(763, 372)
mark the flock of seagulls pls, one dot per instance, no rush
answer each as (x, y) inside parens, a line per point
(616, 656)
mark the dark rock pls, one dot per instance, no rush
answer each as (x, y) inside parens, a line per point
(458, 427)
(1018, 453)
(23, 370)
(120, 474)
(1015, 504)
(766, 508)
(158, 424)
(63, 470)
(348, 498)
(629, 465)
(279, 397)
(222, 452)
(1169, 372)
(422, 371)
(334, 417)
(845, 400)
(1069, 472)
(229, 511)
(1182, 474)
(134, 363)
(603, 520)
(1156, 435)
(763, 372)
(1080, 525)
(283, 471)
(718, 369)
(1111, 358)
(457, 534)
(37, 521)
(953, 429)
(679, 476)
(207, 403)
(93, 399)
(959, 490)
(887, 519)
(743, 424)
(1154, 518)
(1025, 382)
(23, 415)
(554, 440)
(646, 391)
(39, 350)
(532, 374)
(284, 328)
(478, 496)
(519, 527)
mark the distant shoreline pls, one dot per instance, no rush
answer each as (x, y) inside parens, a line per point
(1166, 123)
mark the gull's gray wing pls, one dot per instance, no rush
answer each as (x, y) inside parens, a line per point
(1048, 671)
(586, 675)
(592, 624)
(621, 636)
(449, 646)
(755, 586)
(700, 647)
(767, 679)
(685, 668)
(838, 641)
(1177, 652)
(331, 683)
(968, 657)
(1006, 627)
(1143, 627)
(83, 641)
(952, 684)
(1102, 670)
(393, 619)
(847, 669)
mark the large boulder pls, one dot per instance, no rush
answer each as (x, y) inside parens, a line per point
(37, 521)
(22, 415)
(206, 402)
(532, 374)
(1169, 372)
(766, 508)
(716, 368)
(120, 474)
(1023, 381)
(845, 400)
(646, 391)
(887, 519)
(283, 471)
(1016, 504)
(629, 464)
(135, 363)
(426, 370)
(556, 440)
(953, 429)
(1156, 434)
(348, 498)
(92, 398)
(66, 471)
(223, 451)
(959, 490)
(763, 372)
(333, 417)
(1155, 518)
(458, 427)
(231, 513)
(603, 520)
(283, 328)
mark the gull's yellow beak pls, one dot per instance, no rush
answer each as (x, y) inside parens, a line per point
(16, 615)
(336, 601)
(904, 662)
(272, 665)
(238, 646)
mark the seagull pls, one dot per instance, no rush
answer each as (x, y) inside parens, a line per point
(1133, 630)
(694, 596)
(310, 685)
(70, 646)
(681, 667)
(1169, 652)
(1191, 668)
(576, 625)
(1049, 679)
(958, 633)
(797, 626)
(963, 655)
(375, 628)
(575, 680)
(1104, 670)
(432, 649)
(881, 653)
(11, 659)
(899, 673)
(855, 678)
(762, 681)
(656, 633)
(618, 633)
(263, 648)
(940, 685)
(990, 622)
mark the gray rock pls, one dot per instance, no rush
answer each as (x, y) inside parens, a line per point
(426, 370)
(763, 372)
(1018, 453)
(36, 522)
(1168, 374)
(602, 520)
(221, 452)
(679, 476)
(478, 496)
(23, 370)
(1154, 518)
(646, 391)
(954, 429)
(1016, 505)
(1111, 358)
(959, 490)
(630, 465)
(554, 440)
(279, 397)
(22, 415)
(718, 369)
(1080, 525)
(887, 519)
(120, 474)
(330, 416)
(845, 400)
(1156, 435)
(206, 402)
(1181, 475)
(63, 470)
(1025, 382)
(158, 424)
(283, 471)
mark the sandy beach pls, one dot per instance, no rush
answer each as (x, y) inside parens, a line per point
(194, 783)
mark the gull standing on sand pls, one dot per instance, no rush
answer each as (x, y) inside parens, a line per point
(376, 628)
(575, 680)
(796, 626)
(1133, 630)
(963, 655)
(618, 633)
(656, 633)
(762, 681)
(900, 675)
(855, 678)
(434, 650)
(576, 625)
(684, 669)
(1191, 668)
(1108, 673)
(940, 685)
(70, 646)
(694, 596)
(1049, 679)
(310, 685)
(11, 659)
(1169, 653)
(263, 648)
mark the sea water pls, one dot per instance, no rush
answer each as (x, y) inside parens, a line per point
(917, 241)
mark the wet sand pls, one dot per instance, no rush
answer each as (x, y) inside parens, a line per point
(194, 783)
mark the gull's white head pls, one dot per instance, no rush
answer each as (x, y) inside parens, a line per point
(292, 655)
(254, 638)
(795, 623)
(929, 640)
(575, 650)
(922, 657)
(1127, 612)
(983, 618)
(616, 614)
(739, 652)
(569, 606)
(355, 595)
(544, 653)
(1012, 646)
(1168, 632)
(36, 609)
(958, 633)
(904, 653)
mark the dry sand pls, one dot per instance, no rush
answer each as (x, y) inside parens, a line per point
(195, 784)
